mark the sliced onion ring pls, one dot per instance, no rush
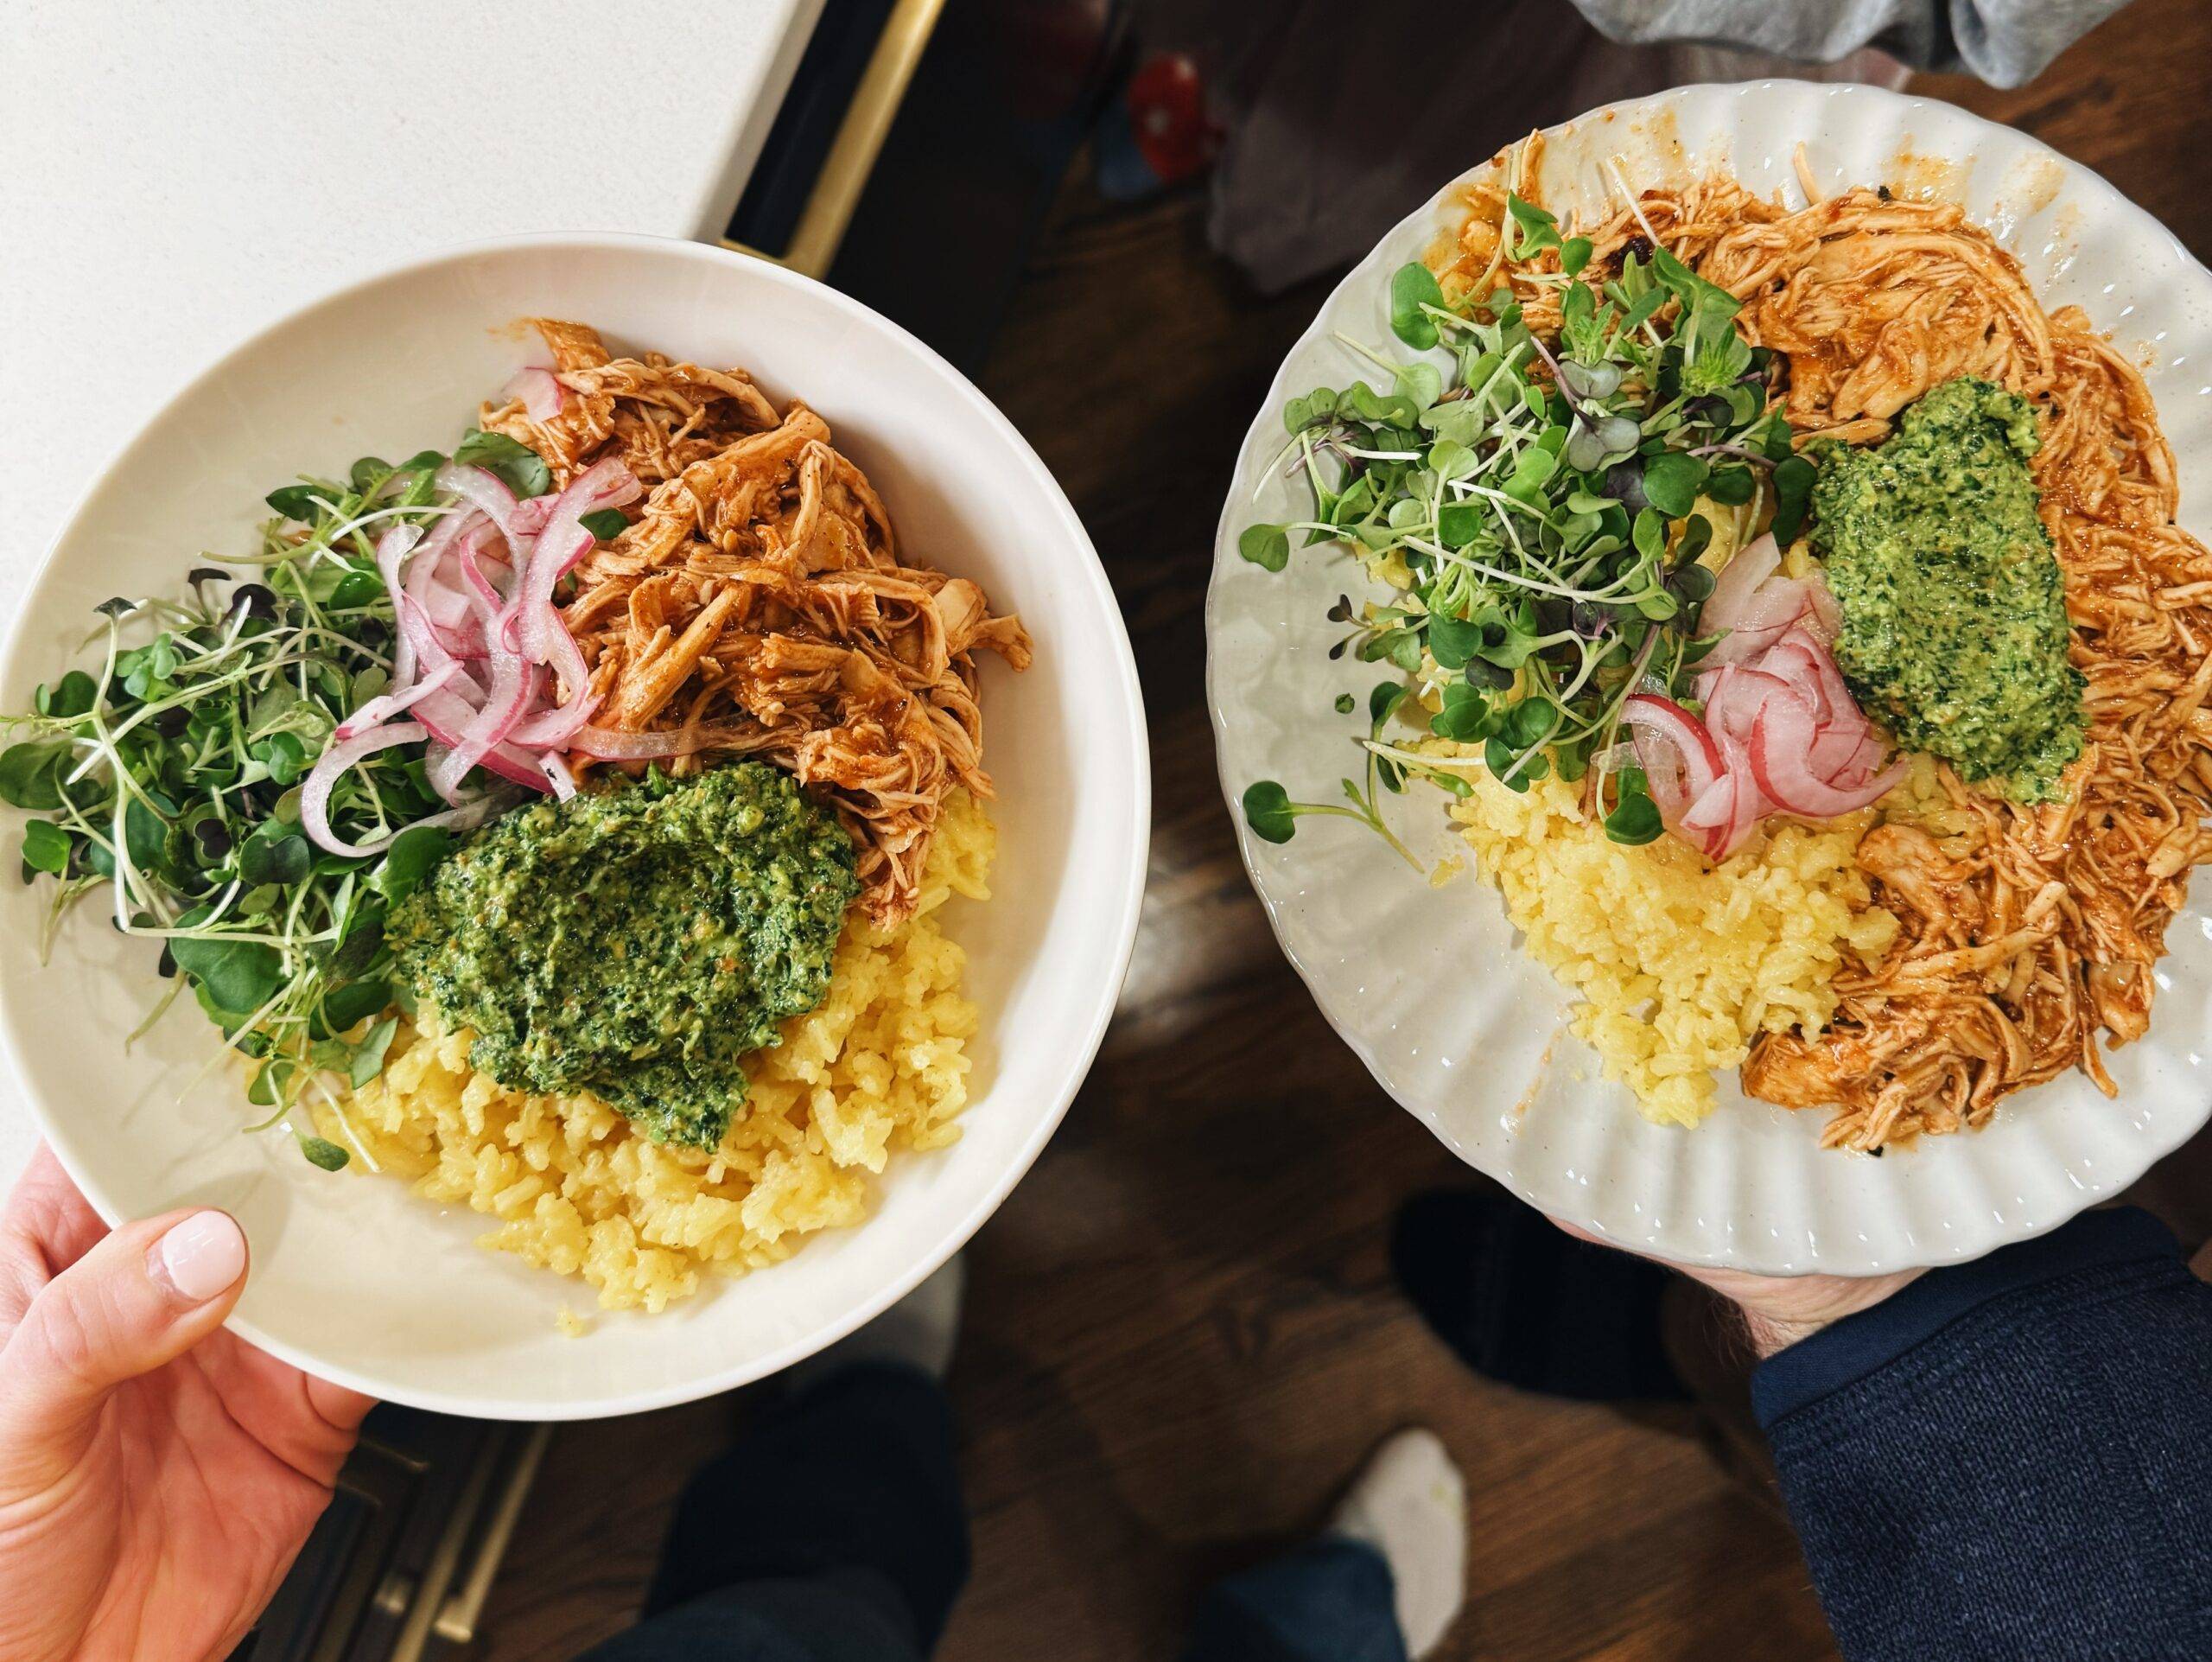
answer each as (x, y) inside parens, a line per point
(555, 729)
(1679, 760)
(565, 541)
(1833, 701)
(448, 717)
(540, 391)
(1732, 702)
(508, 702)
(386, 705)
(392, 550)
(330, 766)
(530, 515)
(1782, 747)
(1751, 565)
(1826, 622)
(459, 601)
(558, 775)
(608, 745)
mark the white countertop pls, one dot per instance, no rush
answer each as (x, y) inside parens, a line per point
(179, 172)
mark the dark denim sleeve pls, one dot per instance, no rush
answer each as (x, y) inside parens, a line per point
(2010, 1458)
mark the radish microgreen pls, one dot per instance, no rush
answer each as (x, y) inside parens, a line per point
(167, 777)
(1548, 494)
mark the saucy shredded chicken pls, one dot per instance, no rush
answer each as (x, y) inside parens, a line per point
(2034, 931)
(757, 604)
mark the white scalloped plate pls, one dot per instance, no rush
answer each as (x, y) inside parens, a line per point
(1430, 987)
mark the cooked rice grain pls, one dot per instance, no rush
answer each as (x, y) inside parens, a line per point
(881, 1065)
(1678, 965)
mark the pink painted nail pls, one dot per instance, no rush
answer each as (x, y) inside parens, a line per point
(200, 1256)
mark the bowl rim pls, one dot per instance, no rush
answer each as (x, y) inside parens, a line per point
(1133, 799)
(2146, 1149)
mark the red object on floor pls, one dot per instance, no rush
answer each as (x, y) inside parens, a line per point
(1167, 117)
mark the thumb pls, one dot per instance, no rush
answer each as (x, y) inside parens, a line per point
(141, 1298)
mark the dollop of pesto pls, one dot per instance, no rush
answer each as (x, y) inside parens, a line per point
(1955, 633)
(636, 944)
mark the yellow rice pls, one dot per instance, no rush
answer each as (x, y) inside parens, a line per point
(1677, 966)
(880, 1065)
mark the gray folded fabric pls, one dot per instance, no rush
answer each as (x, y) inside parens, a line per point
(2005, 42)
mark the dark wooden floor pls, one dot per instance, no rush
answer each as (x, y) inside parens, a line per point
(1181, 1332)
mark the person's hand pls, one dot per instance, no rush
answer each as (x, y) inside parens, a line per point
(1779, 1311)
(157, 1474)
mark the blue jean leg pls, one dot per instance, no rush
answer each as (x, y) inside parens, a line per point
(1329, 1600)
(841, 1615)
(835, 1530)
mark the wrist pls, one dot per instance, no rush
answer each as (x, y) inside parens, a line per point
(1779, 1312)
(1767, 1335)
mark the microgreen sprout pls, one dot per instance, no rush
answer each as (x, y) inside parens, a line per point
(168, 778)
(1549, 497)
(1273, 816)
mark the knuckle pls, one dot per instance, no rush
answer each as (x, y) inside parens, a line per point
(23, 1273)
(67, 1337)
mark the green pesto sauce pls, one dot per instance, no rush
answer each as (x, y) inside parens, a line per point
(1955, 633)
(636, 944)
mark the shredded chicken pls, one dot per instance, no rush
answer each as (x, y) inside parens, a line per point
(758, 606)
(2036, 933)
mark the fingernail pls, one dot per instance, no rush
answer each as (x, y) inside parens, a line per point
(199, 1257)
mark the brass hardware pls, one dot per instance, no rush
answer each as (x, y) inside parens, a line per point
(413, 1640)
(394, 1594)
(860, 140)
(462, 1610)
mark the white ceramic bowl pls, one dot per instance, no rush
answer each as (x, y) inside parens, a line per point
(1431, 988)
(359, 1279)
